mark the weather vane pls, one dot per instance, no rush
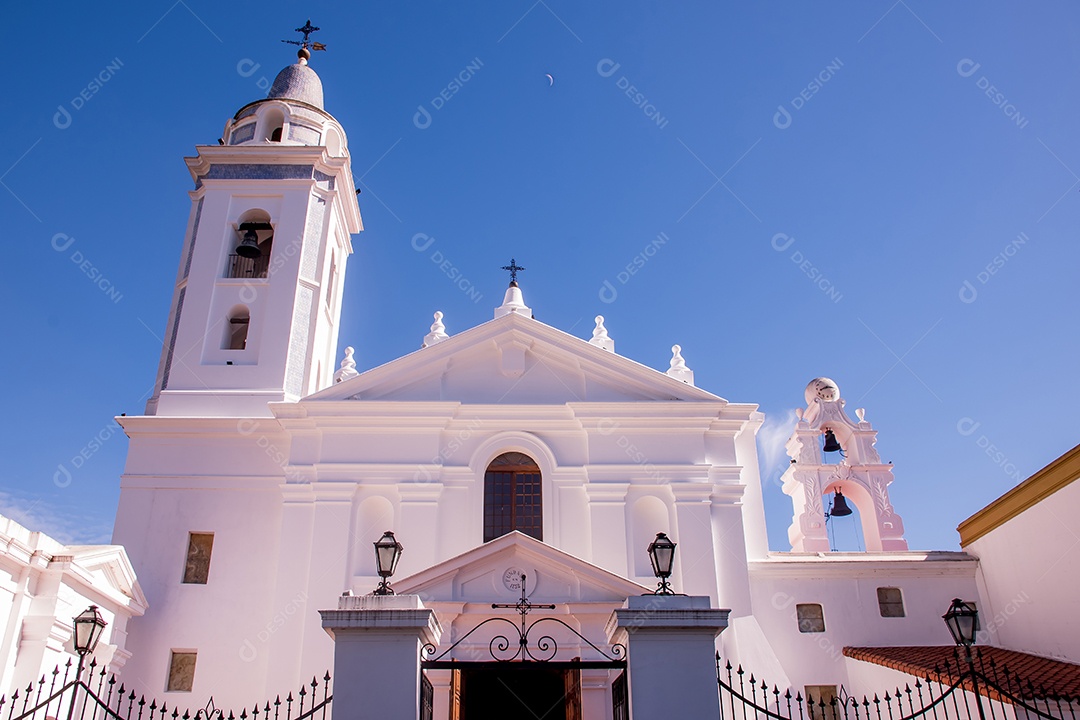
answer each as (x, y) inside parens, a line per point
(307, 43)
(514, 269)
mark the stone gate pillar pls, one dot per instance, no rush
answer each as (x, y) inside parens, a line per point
(377, 642)
(671, 654)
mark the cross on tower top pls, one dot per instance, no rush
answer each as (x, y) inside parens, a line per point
(307, 43)
(514, 269)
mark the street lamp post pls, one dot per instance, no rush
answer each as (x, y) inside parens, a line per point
(962, 619)
(387, 553)
(662, 556)
(87, 626)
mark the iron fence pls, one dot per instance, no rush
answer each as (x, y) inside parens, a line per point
(99, 695)
(960, 689)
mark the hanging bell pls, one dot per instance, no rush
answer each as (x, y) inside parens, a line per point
(249, 246)
(840, 508)
(831, 445)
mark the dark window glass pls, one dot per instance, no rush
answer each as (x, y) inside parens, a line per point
(512, 497)
(890, 602)
(811, 617)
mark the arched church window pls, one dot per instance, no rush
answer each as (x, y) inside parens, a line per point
(275, 134)
(236, 329)
(512, 498)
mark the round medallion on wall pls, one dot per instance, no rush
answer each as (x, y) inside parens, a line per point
(512, 579)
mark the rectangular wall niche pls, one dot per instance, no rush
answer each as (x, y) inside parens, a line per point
(811, 618)
(817, 694)
(890, 602)
(181, 671)
(197, 568)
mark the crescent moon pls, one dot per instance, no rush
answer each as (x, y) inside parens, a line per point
(551, 80)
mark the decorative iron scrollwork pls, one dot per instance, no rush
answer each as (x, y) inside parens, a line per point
(501, 647)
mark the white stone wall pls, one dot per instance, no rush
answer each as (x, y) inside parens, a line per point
(845, 585)
(1028, 579)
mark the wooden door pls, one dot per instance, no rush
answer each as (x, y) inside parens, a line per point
(572, 683)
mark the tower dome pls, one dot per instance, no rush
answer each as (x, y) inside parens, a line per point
(298, 82)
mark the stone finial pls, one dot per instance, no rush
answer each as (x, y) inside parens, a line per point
(348, 367)
(678, 369)
(438, 331)
(600, 337)
(513, 303)
(861, 414)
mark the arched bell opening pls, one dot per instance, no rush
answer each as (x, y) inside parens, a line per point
(851, 517)
(252, 247)
(272, 124)
(237, 324)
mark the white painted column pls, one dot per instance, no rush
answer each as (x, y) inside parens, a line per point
(607, 508)
(419, 510)
(695, 570)
(671, 654)
(377, 642)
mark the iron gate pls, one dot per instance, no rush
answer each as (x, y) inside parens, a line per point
(99, 695)
(980, 691)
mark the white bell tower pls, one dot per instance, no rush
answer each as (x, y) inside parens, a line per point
(860, 475)
(255, 311)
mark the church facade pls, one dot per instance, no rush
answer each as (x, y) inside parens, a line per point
(511, 454)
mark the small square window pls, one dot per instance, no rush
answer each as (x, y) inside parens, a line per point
(890, 602)
(811, 618)
(181, 671)
(197, 569)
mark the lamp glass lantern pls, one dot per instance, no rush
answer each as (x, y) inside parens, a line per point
(662, 556)
(387, 553)
(88, 628)
(962, 619)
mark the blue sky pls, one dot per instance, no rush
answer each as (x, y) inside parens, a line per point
(885, 193)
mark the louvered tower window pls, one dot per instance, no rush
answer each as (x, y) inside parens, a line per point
(512, 498)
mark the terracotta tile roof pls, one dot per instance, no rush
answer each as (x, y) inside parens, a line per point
(1017, 672)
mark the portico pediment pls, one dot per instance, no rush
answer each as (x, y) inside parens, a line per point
(513, 359)
(491, 573)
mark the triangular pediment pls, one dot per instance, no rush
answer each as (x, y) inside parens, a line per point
(491, 573)
(514, 360)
